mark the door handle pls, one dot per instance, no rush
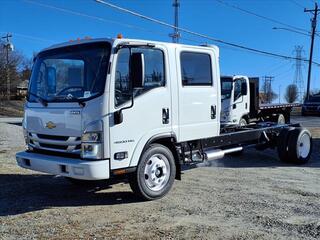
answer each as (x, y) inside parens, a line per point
(213, 112)
(165, 115)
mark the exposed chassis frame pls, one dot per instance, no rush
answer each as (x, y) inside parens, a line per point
(262, 135)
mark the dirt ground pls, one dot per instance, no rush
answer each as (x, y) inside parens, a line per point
(253, 196)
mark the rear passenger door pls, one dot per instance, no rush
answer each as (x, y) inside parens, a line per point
(197, 94)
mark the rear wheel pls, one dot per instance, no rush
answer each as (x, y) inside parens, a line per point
(155, 173)
(300, 146)
(282, 144)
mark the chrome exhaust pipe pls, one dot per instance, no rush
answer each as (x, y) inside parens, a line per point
(215, 154)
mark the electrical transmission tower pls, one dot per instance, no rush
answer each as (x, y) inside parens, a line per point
(298, 78)
(267, 89)
(176, 34)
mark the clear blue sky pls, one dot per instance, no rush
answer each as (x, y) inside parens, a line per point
(35, 27)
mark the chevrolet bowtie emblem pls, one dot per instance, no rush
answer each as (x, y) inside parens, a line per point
(50, 125)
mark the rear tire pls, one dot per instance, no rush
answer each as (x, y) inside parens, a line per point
(282, 144)
(155, 173)
(299, 146)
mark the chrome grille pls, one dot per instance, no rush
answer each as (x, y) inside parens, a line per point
(55, 143)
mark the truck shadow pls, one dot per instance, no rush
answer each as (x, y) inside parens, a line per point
(28, 193)
(268, 158)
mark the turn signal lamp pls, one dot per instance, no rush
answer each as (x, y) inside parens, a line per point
(119, 36)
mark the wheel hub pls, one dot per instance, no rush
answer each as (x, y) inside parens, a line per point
(157, 172)
(304, 145)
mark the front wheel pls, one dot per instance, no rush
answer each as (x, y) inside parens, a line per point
(281, 119)
(155, 173)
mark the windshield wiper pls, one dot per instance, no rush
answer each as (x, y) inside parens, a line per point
(39, 99)
(81, 102)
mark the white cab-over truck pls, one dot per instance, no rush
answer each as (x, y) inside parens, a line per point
(240, 103)
(105, 108)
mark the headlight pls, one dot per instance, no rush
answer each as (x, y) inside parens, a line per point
(91, 137)
(91, 150)
(91, 145)
(92, 141)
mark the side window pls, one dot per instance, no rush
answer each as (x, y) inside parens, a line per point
(154, 67)
(237, 88)
(122, 84)
(154, 73)
(196, 69)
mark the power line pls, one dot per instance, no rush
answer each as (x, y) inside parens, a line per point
(84, 15)
(80, 14)
(33, 38)
(260, 16)
(297, 4)
(198, 34)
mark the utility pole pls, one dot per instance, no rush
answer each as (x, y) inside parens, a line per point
(8, 46)
(176, 34)
(313, 30)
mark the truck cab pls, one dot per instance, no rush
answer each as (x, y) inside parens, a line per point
(235, 100)
(95, 106)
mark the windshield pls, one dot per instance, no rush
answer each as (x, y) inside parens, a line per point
(226, 87)
(70, 73)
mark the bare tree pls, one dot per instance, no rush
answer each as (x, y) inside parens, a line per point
(291, 94)
(19, 69)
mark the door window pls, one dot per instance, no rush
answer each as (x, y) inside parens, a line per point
(154, 73)
(237, 88)
(196, 69)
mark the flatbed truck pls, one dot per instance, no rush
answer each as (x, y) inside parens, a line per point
(241, 105)
(108, 108)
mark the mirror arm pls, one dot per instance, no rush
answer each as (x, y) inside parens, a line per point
(124, 108)
(130, 106)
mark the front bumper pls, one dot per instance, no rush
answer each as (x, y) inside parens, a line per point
(68, 167)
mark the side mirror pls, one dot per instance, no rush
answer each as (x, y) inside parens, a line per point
(137, 70)
(118, 117)
(244, 89)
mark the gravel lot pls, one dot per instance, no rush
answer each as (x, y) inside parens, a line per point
(253, 196)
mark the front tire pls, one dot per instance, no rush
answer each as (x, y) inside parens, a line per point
(155, 173)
